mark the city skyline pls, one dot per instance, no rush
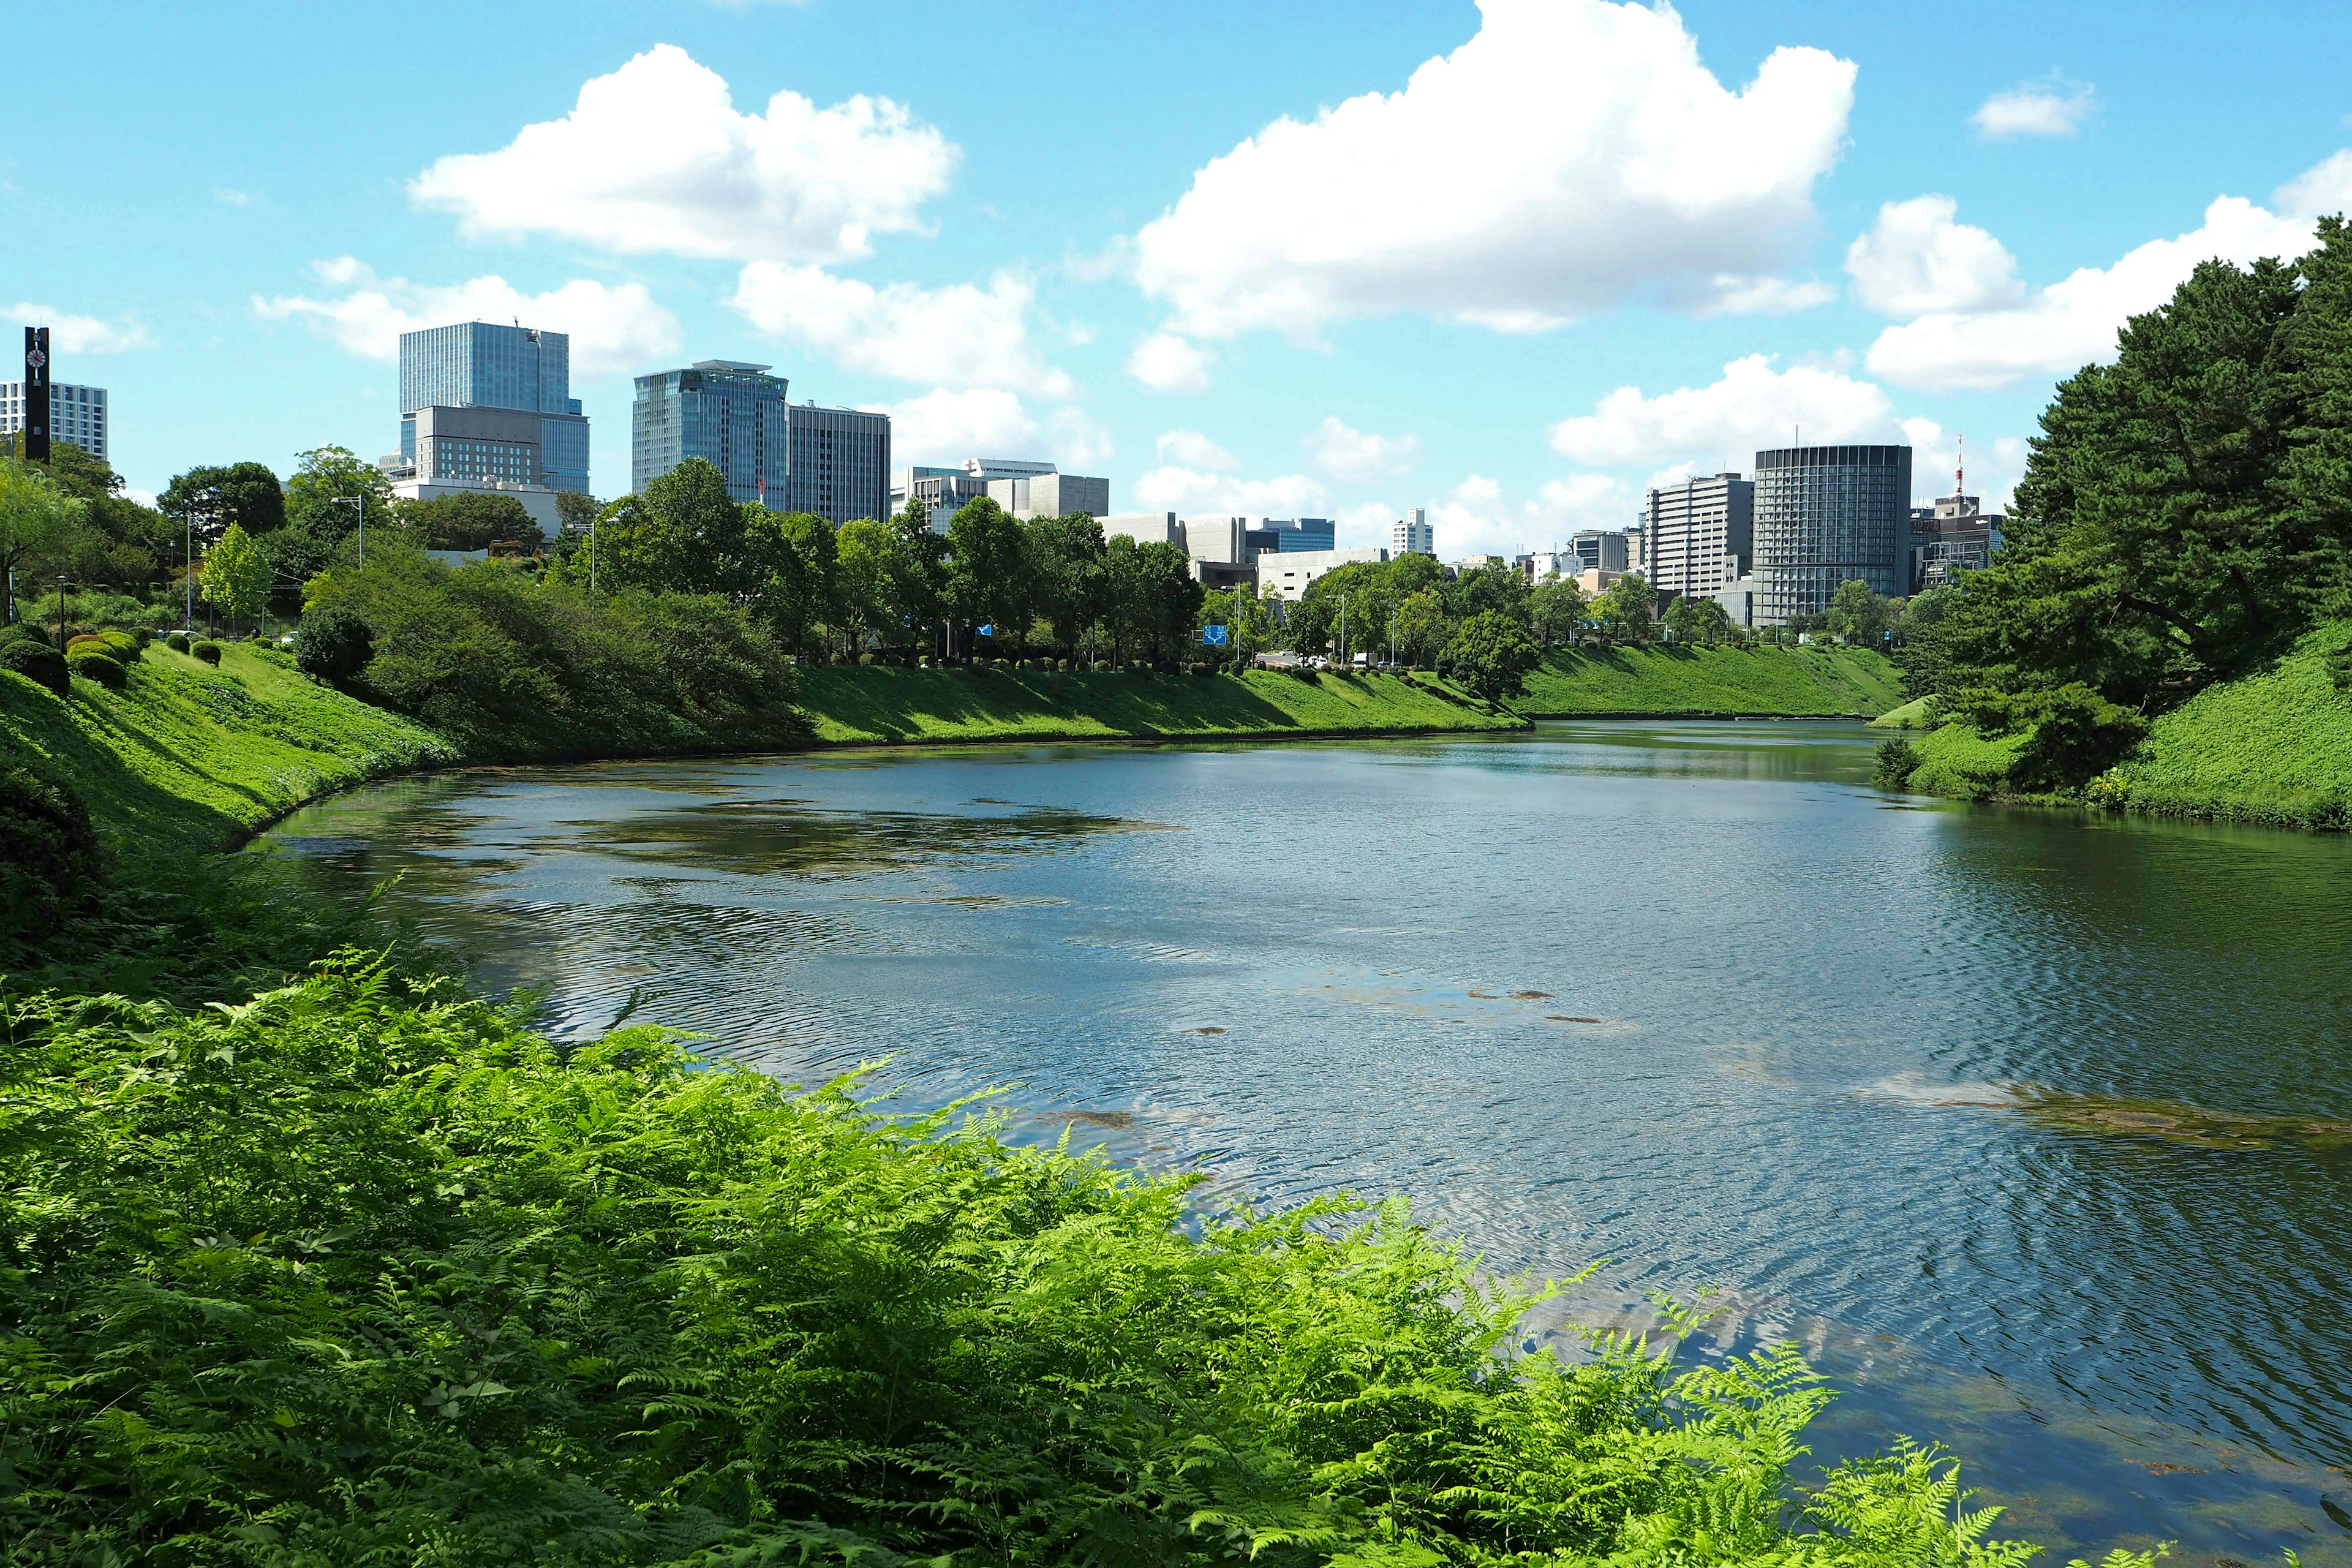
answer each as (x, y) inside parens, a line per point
(1939, 220)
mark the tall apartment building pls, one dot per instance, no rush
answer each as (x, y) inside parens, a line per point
(77, 414)
(481, 365)
(1412, 535)
(1827, 515)
(840, 463)
(1700, 534)
(1953, 536)
(732, 415)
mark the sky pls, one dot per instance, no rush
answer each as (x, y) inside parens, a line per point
(1512, 262)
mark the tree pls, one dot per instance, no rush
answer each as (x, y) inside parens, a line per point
(235, 578)
(41, 524)
(332, 645)
(988, 570)
(327, 481)
(1627, 607)
(682, 534)
(1556, 612)
(790, 560)
(1153, 601)
(214, 495)
(575, 510)
(468, 520)
(1065, 575)
(1422, 627)
(1857, 614)
(1491, 656)
(1496, 586)
(865, 576)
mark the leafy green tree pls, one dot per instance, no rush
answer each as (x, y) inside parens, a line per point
(468, 520)
(214, 495)
(790, 560)
(1556, 612)
(1857, 614)
(1491, 656)
(866, 572)
(1310, 625)
(1627, 607)
(326, 482)
(988, 576)
(236, 577)
(1422, 626)
(1065, 564)
(575, 510)
(919, 569)
(682, 534)
(40, 526)
(1153, 601)
(1495, 586)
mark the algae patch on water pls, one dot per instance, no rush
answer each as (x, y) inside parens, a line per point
(2068, 1110)
(793, 838)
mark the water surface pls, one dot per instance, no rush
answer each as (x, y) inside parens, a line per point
(2034, 1128)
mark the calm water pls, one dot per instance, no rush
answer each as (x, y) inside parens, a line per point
(2034, 1129)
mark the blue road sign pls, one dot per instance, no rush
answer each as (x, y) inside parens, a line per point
(988, 630)
(1214, 635)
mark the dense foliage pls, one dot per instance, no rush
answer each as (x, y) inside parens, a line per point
(469, 519)
(361, 1272)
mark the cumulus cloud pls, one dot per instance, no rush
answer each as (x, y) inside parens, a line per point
(72, 334)
(1190, 449)
(657, 158)
(1189, 492)
(2051, 107)
(1916, 259)
(233, 197)
(1720, 426)
(961, 335)
(1356, 457)
(1734, 296)
(2072, 323)
(1572, 153)
(948, 425)
(1166, 363)
(615, 329)
(1994, 467)
(1583, 501)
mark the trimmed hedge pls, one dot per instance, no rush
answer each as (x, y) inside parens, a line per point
(208, 652)
(96, 663)
(36, 660)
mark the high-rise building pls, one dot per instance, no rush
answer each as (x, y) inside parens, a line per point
(483, 365)
(840, 463)
(1953, 536)
(77, 414)
(1598, 549)
(1699, 534)
(1025, 487)
(1412, 535)
(1278, 535)
(1827, 515)
(732, 415)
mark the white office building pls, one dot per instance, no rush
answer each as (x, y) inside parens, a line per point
(77, 414)
(1700, 534)
(1412, 535)
(1288, 574)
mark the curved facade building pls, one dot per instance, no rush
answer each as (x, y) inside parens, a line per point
(1825, 515)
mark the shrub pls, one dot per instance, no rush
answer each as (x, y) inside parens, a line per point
(122, 645)
(2110, 791)
(1898, 761)
(84, 639)
(208, 652)
(177, 642)
(333, 645)
(37, 661)
(95, 664)
(49, 861)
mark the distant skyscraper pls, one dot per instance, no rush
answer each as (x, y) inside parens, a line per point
(840, 463)
(77, 414)
(732, 416)
(1701, 534)
(1601, 549)
(480, 366)
(1412, 535)
(1827, 515)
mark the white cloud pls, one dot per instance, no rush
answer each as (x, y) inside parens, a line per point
(72, 334)
(1767, 296)
(1993, 467)
(949, 424)
(1078, 442)
(655, 157)
(1166, 363)
(1582, 500)
(1721, 426)
(615, 329)
(2051, 107)
(961, 335)
(1572, 153)
(1356, 457)
(1190, 449)
(2072, 323)
(1916, 259)
(234, 198)
(1189, 492)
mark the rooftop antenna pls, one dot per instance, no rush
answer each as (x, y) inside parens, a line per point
(1961, 468)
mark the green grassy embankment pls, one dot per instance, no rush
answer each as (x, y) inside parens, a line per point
(1675, 680)
(2274, 746)
(864, 705)
(188, 759)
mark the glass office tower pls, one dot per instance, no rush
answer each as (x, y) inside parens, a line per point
(482, 364)
(730, 415)
(1825, 515)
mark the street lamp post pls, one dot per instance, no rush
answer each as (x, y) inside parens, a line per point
(360, 502)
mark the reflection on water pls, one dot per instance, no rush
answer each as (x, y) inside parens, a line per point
(2033, 1127)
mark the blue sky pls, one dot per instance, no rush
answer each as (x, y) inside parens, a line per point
(1512, 263)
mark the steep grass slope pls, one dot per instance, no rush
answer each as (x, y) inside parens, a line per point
(852, 704)
(2273, 746)
(188, 759)
(1668, 680)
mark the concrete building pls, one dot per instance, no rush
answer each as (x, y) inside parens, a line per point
(1288, 573)
(1412, 535)
(1700, 534)
(1051, 495)
(1953, 536)
(840, 464)
(1148, 528)
(1539, 564)
(733, 415)
(77, 414)
(1738, 601)
(1826, 515)
(1595, 580)
(481, 365)
(1595, 547)
(1274, 535)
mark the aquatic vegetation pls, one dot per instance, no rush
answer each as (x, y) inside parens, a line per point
(2174, 1121)
(361, 1270)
